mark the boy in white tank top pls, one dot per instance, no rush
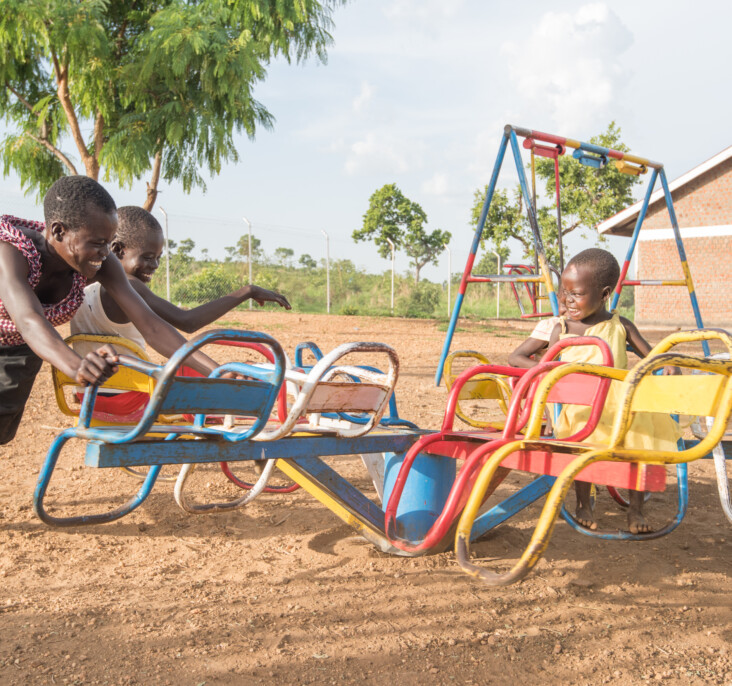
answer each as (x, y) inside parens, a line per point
(139, 244)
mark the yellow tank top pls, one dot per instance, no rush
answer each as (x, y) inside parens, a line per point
(648, 431)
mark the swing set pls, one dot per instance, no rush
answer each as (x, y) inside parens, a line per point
(544, 274)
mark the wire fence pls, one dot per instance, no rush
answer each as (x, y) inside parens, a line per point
(319, 272)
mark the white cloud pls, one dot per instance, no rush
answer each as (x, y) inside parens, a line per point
(483, 148)
(437, 185)
(423, 9)
(569, 66)
(383, 153)
(364, 97)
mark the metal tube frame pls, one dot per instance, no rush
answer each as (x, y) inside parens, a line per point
(509, 135)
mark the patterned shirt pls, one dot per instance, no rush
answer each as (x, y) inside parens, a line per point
(57, 313)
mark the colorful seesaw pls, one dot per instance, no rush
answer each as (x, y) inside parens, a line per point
(338, 410)
(706, 395)
(325, 389)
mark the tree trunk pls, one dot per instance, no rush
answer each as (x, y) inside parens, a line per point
(91, 162)
(152, 185)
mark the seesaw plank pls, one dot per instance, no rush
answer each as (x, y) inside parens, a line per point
(185, 451)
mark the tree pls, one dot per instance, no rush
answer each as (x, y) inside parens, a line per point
(242, 247)
(507, 219)
(185, 251)
(307, 262)
(393, 216)
(162, 86)
(284, 256)
(424, 247)
(587, 197)
(488, 262)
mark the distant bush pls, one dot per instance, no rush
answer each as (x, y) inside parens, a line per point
(209, 283)
(353, 291)
(626, 304)
(267, 279)
(421, 300)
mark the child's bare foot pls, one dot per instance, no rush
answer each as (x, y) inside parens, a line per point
(585, 517)
(637, 523)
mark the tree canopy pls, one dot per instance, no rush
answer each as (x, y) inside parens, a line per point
(133, 88)
(391, 215)
(587, 196)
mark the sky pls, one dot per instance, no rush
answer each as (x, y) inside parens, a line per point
(417, 92)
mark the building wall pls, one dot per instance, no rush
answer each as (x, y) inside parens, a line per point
(704, 202)
(710, 263)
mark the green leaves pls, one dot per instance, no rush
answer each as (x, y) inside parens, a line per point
(392, 216)
(170, 77)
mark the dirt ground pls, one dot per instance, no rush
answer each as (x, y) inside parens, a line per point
(284, 592)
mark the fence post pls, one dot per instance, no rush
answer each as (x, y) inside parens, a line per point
(249, 225)
(167, 257)
(498, 287)
(327, 270)
(449, 279)
(391, 244)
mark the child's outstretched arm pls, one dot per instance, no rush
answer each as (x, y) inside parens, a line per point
(198, 317)
(26, 311)
(521, 357)
(160, 335)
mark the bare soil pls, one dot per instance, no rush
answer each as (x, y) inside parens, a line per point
(284, 592)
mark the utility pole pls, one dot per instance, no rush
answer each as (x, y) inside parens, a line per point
(249, 224)
(327, 270)
(167, 257)
(391, 244)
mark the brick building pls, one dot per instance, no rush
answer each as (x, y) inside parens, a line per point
(703, 203)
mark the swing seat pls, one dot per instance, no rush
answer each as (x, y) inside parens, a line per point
(627, 168)
(389, 418)
(596, 161)
(544, 150)
(115, 409)
(254, 396)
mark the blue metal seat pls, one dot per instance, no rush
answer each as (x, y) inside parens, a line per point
(252, 397)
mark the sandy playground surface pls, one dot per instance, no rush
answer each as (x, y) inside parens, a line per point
(284, 592)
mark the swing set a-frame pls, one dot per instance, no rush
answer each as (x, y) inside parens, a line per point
(552, 146)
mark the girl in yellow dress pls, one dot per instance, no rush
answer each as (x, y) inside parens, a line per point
(587, 282)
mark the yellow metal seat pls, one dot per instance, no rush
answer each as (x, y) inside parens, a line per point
(125, 379)
(480, 387)
(708, 394)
